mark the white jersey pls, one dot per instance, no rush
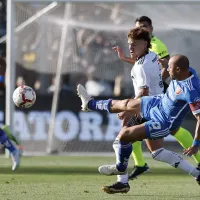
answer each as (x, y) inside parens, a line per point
(146, 73)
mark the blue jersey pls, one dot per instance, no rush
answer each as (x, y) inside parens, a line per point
(172, 107)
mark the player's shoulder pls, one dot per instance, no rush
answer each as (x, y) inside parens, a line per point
(150, 57)
(195, 81)
(192, 83)
(147, 62)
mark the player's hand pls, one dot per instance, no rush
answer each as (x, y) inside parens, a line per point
(191, 151)
(163, 62)
(121, 115)
(119, 52)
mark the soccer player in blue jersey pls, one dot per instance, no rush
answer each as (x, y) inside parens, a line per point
(163, 114)
(182, 135)
(14, 151)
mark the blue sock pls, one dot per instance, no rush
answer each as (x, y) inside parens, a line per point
(6, 142)
(123, 152)
(99, 104)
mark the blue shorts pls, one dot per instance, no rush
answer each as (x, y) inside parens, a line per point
(156, 126)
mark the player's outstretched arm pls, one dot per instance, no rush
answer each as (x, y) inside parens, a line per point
(122, 56)
(196, 143)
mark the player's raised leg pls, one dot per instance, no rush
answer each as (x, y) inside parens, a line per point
(15, 153)
(112, 106)
(140, 165)
(122, 151)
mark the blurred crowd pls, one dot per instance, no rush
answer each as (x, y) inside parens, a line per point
(88, 58)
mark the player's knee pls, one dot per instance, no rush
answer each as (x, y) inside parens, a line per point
(123, 135)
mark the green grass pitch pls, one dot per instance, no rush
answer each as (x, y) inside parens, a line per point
(77, 178)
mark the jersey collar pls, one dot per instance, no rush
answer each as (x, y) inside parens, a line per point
(143, 55)
(190, 77)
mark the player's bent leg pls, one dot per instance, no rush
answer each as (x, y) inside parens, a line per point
(124, 147)
(122, 152)
(9, 134)
(113, 106)
(133, 134)
(185, 139)
(140, 165)
(15, 153)
(156, 130)
(121, 186)
(176, 161)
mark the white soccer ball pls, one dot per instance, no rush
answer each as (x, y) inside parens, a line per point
(24, 96)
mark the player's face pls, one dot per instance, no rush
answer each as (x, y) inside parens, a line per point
(137, 47)
(144, 25)
(172, 69)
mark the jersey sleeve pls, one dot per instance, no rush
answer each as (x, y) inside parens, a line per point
(193, 99)
(143, 77)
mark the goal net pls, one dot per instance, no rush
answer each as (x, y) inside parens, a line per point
(58, 45)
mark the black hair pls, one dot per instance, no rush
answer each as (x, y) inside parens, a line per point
(144, 19)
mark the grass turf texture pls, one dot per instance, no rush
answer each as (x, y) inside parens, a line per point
(77, 178)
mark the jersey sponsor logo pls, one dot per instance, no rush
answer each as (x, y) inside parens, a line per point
(178, 90)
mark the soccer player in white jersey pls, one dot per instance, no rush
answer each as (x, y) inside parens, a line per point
(163, 114)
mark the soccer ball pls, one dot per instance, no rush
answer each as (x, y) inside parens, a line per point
(24, 96)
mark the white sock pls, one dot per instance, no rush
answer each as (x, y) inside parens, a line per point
(175, 160)
(122, 178)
